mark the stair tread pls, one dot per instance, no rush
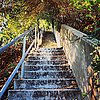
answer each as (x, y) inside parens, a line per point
(46, 71)
(46, 68)
(49, 53)
(32, 90)
(39, 75)
(48, 49)
(66, 79)
(54, 56)
(47, 65)
(47, 60)
(38, 54)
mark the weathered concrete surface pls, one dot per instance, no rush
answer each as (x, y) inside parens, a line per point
(45, 94)
(45, 83)
(77, 48)
(47, 75)
(46, 79)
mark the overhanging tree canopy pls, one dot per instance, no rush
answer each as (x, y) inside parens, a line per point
(19, 15)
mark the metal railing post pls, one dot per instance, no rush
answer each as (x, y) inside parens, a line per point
(38, 39)
(35, 37)
(41, 36)
(23, 53)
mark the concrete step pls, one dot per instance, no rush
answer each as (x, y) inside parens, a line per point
(47, 84)
(42, 62)
(41, 57)
(46, 52)
(46, 67)
(49, 74)
(47, 57)
(48, 49)
(47, 60)
(45, 94)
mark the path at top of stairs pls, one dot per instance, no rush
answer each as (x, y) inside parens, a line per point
(49, 40)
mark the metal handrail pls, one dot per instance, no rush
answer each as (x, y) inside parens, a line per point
(15, 71)
(14, 40)
(20, 62)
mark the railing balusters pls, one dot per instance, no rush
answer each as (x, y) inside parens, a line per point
(23, 53)
(41, 36)
(35, 37)
(38, 39)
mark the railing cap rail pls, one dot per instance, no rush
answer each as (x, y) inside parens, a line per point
(92, 41)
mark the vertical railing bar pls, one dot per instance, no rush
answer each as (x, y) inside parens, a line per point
(38, 39)
(23, 53)
(35, 37)
(42, 36)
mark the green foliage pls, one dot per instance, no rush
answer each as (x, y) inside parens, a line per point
(84, 95)
(16, 22)
(96, 60)
(45, 20)
(81, 4)
(44, 23)
(1, 20)
(81, 14)
(86, 12)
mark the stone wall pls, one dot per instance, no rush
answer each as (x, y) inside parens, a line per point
(77, 47)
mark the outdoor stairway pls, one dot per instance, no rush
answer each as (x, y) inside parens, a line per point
(47, 76)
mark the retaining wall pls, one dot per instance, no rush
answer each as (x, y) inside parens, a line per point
(77, 47)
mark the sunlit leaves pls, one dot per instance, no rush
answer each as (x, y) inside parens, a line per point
(23, 14)
(44, 23)
(16, 21)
